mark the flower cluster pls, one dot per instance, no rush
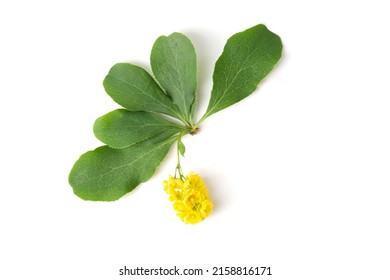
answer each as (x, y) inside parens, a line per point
(190, 198)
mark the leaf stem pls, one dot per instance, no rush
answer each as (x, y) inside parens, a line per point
(178, 170)
(196, 126)
(184, 120)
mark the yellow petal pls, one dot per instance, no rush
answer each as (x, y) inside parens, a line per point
(192, 218)
(206, 208)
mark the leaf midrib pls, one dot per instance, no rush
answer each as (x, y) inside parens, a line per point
(112, 169)
(151, 96)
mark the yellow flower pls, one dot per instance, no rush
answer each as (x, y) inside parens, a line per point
(173, 187)
(190, 198)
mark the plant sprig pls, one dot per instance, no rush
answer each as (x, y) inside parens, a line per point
(139, 136)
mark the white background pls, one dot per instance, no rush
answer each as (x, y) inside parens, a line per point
(298, 171)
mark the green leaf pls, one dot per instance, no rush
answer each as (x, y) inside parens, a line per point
(122, 128)
(134, 89)
(247, 58)
(182, 148)
(106, 174)
(173, 61)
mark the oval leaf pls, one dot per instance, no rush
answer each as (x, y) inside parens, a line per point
(247, 58)
(182, 148)
(122, 128)
(134, 89)
(173, 61)
(106, 174)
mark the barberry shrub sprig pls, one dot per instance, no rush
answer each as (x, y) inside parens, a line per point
(159, 110)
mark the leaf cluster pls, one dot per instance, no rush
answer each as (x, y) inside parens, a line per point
(159, 110)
